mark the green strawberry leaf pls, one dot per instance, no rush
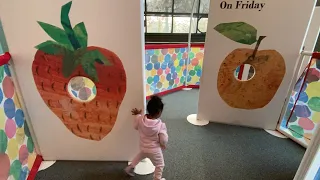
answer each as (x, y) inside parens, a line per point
(66, 24)
(90, 70)
(81, 34)
(69, 64)
(52, 48)
(240, 32)
(99, 57)
(57, 34)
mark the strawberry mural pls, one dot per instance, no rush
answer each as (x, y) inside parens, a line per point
(68, 56)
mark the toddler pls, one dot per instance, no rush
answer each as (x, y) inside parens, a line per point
(153, 137)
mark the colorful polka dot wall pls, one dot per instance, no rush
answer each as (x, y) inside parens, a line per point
(17, 153)
(306, 114)
(165, 69)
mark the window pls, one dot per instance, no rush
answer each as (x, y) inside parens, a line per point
(169, 20)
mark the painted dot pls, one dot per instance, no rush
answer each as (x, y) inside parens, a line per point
(178, 69)
(192, 73)
(174, 57)
(176, 50)
(150, 52)
(157, 65)
(16, 101)
(176, 81)
(26, 130)
(314, 104)
(179, 56)
(31, 159)
(9, 108)
(12, 149)
(171, 50)
(5, 166)
(191, 55)
(164, 66)
(182, 50)
(162, 78)
(184, 72)
(176, 63)
(168, 77)
(313, 75)
(84, 93)
(10, 128)
(303, 97)
(171, 82)
(164, 51)
(297, 131)
(19, 118)
(160, 58)
(293, 117)
(194, 62)
(182, 79)
(189, 78)
(149, 66)
(199, 73)
(150, 80)
(185, 55)
(153, 72)
(173, 69)
(30, 145)
(147, 59)
(156, 91)
(181, 62)
(306, 123)
(159, 72)
(3, 141)
(3, 118)
(174, 75)
(313, 89)
(24, 173)
(170, 64)
(302, 111)
(167, 71)
(157, 51)
(199, 55)
(167, 58)
(159, 85)
(15, 169)
(156, 78)
(154, 59)
(1, 95)
(23, 155)
(7, 70)
(20, 136)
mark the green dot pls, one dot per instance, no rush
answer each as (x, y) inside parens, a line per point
(94, 90)
(159, 85)
(3, 141)
(182, 79)
(179, 56)
(297, 131)
(177, 50)
(154, 59)
(150, 80)
(30, 145)
(175, 85)
(197, 68)
(191, 55)
(171, 82)
(157, 51)
(192, 73)
(314, 104)
(178, 69)
(15, 169)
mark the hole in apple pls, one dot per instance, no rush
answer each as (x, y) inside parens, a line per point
(82, 89)
(244, 72)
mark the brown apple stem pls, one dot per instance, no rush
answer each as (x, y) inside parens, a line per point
(250, 58)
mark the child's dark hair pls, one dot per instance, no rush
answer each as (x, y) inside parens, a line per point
(155, 105)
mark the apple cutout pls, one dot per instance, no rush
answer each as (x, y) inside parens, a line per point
(269, 67)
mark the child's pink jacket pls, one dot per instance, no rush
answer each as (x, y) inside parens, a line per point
(152, 132)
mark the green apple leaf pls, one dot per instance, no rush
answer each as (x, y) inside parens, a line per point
(81, 34)
(240, 32)
(53, 48)
(69, 64)
(66, 24)
(57, 34)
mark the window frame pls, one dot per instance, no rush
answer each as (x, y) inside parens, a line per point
(174, 37)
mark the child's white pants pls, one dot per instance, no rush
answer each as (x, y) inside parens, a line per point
(156, 159)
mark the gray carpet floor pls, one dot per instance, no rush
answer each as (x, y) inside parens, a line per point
(212, 152)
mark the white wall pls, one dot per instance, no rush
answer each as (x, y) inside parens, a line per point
(114, 25)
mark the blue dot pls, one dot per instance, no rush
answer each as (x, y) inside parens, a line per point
(173, 69)
(163, 66)
(185, 72)
(19, 118)
(150, 52)
(199, 73)
(23, 173)
(157, 65)
(156, 91)
(303, 97)
(9, 108)
(74, 93)
(170, 64)
(168, 77)
(181, 62)
(198, 83)
(170, 87)
(156, 78)
(147, 59)
(149, 66)
(7, 70)
(290, 106)
(1, 95)
(182, 50)
(189, 78)
(167, 58)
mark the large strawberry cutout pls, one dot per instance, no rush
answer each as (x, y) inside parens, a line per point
(68, 56)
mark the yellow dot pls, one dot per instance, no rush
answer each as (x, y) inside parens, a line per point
(195, 49)
(313, 89)
(316, 117)
(160, 58)
(153, 72)
(165, 84)
(31, 159)
(2, 119)
(88, 83)
(176, 63)
(12, 149)
(20, 135)
(16, 101)
(162, 78)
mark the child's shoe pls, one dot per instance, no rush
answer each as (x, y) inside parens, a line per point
(129, 170)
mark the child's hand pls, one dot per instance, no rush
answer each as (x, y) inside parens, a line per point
(135, 111)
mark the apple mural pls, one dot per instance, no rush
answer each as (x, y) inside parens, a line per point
(269, 67)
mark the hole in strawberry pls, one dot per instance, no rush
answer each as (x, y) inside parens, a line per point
(82, 89)
(244, 72)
